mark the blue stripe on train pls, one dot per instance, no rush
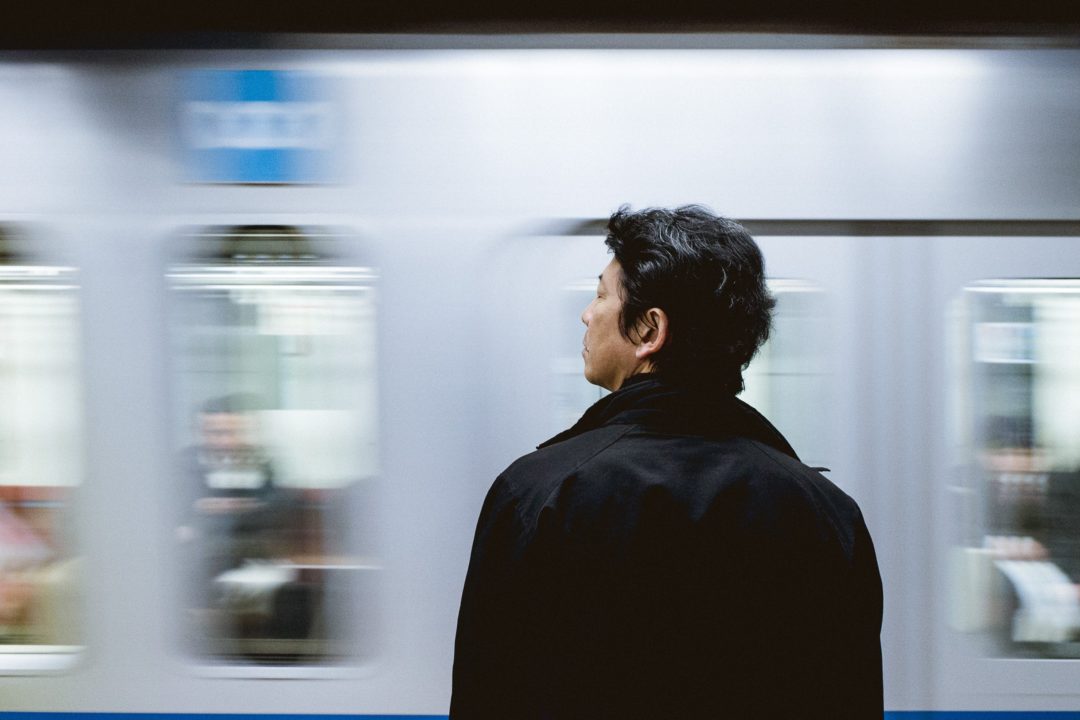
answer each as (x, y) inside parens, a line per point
(981, 715)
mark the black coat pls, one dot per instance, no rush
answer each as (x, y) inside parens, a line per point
(668, 557)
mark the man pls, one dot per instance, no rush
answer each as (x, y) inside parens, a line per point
(669, 556)
(234, 515)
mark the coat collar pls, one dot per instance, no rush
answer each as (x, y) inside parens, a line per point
(652, 402)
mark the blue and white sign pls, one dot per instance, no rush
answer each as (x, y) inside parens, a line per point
(257, 126)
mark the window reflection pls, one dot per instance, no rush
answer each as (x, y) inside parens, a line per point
(40, 460)
(1017, 576)
(274, 349)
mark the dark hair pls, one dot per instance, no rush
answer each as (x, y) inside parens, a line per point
(706, 272)
(234, 404)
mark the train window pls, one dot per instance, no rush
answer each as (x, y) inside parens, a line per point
(1016, 572)
(782, 382)
(274, 375)
(40, 461)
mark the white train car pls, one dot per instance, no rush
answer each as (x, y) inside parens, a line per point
(341, 288)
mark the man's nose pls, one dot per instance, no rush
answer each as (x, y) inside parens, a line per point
(585, 315)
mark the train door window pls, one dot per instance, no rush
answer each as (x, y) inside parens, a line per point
(40, 461)
(784, 380)
(1016, 572)
(274, 375)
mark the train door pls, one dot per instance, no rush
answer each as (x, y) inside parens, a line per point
(1006, 438)
(275, 436)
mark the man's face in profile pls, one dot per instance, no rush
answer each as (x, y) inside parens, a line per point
(609, 357)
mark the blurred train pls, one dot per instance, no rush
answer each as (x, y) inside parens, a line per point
(272, 321)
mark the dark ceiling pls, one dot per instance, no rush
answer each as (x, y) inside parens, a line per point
(202, 23)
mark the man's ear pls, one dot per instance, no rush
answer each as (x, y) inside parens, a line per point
(652, 330)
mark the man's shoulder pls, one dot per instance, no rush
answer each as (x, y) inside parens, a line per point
(631, 463)
(629, 447)
(629, 450)
(558, 460)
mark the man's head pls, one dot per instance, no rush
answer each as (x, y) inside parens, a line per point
(227, 423)
(684, 297)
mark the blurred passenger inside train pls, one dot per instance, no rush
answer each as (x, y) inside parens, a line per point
(236, 518)
(1016, 477)
(669, 555)
(23, 553)
(1032, 509)
(1063, 523)
(1032, 531)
